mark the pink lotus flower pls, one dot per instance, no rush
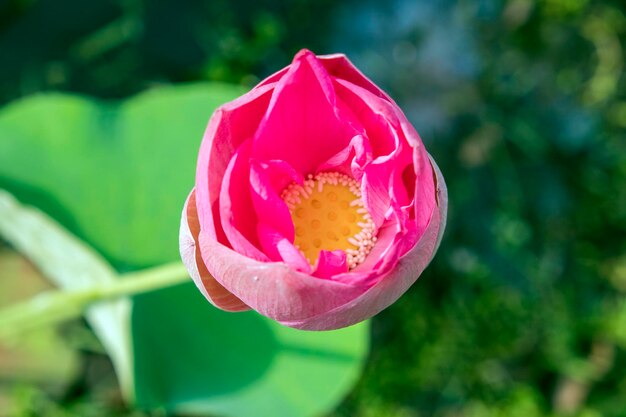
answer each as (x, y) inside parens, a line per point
(315, 202)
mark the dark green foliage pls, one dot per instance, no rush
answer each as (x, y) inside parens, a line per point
(117, 48)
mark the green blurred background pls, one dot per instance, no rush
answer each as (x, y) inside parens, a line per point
(523, 106)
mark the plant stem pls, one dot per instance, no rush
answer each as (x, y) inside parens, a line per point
(55, 306)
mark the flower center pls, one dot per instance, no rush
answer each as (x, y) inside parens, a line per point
(328, 214)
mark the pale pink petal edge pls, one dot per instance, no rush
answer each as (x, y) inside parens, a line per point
(274, 289)
(217, 295)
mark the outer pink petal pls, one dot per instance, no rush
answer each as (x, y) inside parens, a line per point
(424, 182)
(219, 296)
(273, 288)
(395, 283)
(229, 126)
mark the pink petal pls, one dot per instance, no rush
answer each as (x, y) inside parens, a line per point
(304, 124)
(403, 187)
(388, 289)
(267, 180)
(424, 182)
(279, 248)
(358, 97)
(229, 126)
(381, 182)
(351, 160)
(378, 117)
(386, 249)
(375, 190)
(381, 121)
(331, 263)
(219, 296)
(239, 220)
(275, 227)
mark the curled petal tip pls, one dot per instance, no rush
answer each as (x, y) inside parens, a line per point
(303, 54)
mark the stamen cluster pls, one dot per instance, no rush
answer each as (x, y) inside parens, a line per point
(330, 202)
